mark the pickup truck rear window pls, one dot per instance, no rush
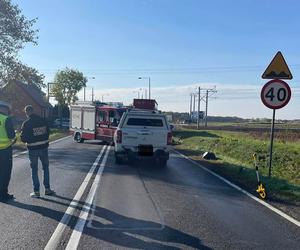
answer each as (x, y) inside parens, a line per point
(145, 122)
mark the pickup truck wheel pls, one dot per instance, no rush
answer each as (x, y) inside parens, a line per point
(162, 163)
(118, 160)
(78, 138)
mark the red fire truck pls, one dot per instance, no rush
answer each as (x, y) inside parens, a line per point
(145, 104)
(94, 121)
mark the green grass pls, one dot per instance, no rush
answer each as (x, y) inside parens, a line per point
(235, 150)
(54, 135)
(266, 125)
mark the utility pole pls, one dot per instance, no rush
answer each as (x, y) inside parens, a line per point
(149, 84)
(198, 113)
(206, 107)
(213, 90)
(194, 105)
(149, 88)
(191, 103)
(84, 94)
(48, 91)
(93, 94)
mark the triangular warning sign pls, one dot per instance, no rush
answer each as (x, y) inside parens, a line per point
(277, 69)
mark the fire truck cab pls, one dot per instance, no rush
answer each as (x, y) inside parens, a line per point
(90, 121)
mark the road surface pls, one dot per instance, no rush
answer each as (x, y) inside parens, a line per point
(101, 205)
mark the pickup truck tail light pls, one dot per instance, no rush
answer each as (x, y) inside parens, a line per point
(119, 136)
(169, 140)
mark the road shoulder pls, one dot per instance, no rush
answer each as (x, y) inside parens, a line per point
(290, 209)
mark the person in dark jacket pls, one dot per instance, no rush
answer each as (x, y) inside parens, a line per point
(35, 133)
(7, 139)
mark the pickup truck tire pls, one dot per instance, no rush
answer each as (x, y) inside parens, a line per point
(161, 162)
(118, 160)
(78, 138)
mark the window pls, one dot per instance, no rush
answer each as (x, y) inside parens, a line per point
(111, 115)
(101, 116)
(146, 122)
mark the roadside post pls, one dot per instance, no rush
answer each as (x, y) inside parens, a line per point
(198, 113)
(276, 93)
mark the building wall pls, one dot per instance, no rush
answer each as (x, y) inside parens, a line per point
(18, 99)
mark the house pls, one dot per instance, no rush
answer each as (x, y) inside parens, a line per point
(19, 94)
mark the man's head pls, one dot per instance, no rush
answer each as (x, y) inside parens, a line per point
(5, 108)
(28, 110)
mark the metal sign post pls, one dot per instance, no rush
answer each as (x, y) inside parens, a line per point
(271, 144)
(275, 94)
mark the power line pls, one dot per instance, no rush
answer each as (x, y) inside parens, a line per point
(183, 70)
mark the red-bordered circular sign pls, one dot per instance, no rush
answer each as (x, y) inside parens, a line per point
(275, 94)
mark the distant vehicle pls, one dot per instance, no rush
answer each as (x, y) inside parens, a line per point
(94, 121)
(172, 127)
(65, 123)
(143, 134)
(187, 121)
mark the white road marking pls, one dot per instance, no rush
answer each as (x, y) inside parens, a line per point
(55, 238)
(78, 229)
(58, 140)
(282, 214)
(61, 139)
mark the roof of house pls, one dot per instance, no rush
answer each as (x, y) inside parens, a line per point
(35, 93)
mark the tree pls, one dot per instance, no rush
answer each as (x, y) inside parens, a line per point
(67, 83)
(15, 32)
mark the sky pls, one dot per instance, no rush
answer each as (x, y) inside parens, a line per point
(180, 45)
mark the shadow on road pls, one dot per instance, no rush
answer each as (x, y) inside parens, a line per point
(121, 230)
(136, 233)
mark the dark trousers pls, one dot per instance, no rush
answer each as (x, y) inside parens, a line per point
(5, 169)
(34, 156)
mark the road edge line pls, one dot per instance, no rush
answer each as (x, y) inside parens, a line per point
(50, 143)
(82, 219)
(57, 234)
(276, 210)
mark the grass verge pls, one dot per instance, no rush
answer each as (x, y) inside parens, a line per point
(234, 151)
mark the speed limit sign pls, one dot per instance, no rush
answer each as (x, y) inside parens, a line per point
(275, 94)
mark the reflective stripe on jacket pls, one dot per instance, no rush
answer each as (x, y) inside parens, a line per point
(37, 143)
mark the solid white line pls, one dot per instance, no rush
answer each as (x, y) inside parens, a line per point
(55, 238)
(61, 139)
(58, 140)
(282, 214)
(78, 229)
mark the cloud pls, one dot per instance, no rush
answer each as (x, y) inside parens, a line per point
(230, 99)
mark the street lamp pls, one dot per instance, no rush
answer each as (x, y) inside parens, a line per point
(103, 96)
(138, 92)
(149, 83)
(92, 77)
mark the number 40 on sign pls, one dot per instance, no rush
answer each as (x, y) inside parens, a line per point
(275, 94)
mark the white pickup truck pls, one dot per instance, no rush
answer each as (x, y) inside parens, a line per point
(143, 134)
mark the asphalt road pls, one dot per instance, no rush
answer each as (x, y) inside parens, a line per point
(141, 207)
